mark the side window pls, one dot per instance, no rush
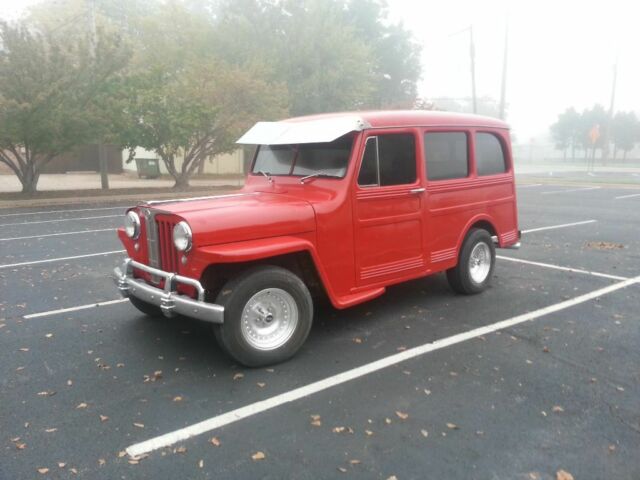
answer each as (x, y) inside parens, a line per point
(490, 157)
(389, 159)
(369, 170)
(447, 155)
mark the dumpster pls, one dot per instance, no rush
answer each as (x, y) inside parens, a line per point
(148, 167)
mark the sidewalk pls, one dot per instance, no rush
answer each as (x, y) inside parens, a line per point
(91, 181)
(85, 188)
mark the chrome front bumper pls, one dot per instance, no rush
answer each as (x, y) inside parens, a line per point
(169, 300)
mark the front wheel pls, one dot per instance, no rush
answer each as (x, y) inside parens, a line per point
(268, 314)
(475, 263)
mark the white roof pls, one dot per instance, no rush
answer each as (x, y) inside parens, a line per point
(321, 130)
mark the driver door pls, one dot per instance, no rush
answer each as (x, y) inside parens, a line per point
(388, 206)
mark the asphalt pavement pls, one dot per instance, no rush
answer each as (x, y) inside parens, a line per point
(537, 375)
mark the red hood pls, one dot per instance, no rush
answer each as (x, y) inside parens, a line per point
(242, 216)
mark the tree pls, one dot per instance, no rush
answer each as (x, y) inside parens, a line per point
(565, 131)
(395, 65)
(625, 132)
(332, 55)
(51, 90)
(184, 102)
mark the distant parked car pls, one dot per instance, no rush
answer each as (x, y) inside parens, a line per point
(340, 205)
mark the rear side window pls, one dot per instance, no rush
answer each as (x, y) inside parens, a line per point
(388, 160)
(490, 158)
(447, 155)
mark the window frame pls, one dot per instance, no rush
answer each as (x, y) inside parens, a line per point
(377, 132)
(471, 164)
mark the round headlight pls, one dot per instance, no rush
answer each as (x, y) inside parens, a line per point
(182, 237)
(132, 225)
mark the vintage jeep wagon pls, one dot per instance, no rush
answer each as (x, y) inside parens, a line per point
(337, 205)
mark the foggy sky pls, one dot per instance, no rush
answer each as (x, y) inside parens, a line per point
(561, 53)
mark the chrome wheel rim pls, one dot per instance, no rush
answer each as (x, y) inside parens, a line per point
(480, 262)
(269, 319)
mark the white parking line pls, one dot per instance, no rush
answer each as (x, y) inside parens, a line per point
(552, 192)
(62, 259)
(628, 196)
(553, 227)
(558, 267)
(527, 185)
(61, 211)
(238, 414)
(75, 309)
(58, 234)
(59, 220)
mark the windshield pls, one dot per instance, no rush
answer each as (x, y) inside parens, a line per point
(328, 159)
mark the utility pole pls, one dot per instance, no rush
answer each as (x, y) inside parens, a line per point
(472, 53)
(503, 89)
(472, 56)
(607, 130)
(102, 158)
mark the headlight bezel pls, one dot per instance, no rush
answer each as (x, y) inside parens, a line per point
(185, 241)
(132, 225)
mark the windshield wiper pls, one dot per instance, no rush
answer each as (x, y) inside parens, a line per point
(318, 174)
(266, 174)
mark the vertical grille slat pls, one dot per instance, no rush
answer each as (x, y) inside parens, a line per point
(168, 254)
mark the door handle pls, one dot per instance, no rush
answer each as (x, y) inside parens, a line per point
(417, 190)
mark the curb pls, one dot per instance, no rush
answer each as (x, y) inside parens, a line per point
(108, 199)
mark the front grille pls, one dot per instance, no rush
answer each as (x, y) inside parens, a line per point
(169, 256)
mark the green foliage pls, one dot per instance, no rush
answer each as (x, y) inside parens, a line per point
(333, 55)
(184, 102)
(566, 131)
(51, 91)
(625, 131)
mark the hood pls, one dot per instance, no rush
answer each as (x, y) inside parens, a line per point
(242, 216)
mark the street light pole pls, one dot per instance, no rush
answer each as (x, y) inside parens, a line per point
(472, 53)
(503, 89)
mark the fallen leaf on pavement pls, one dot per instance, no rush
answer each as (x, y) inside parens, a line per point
(101, 461)
(452, 426)
(50, 430)
(424, 433)
(342, 469)
(103, 418)
(563, 475)
(177, 398)
(238, 376)
(338, 429)
(181, 449)
(49, 335)
(392, 477)
(139, 425)
(43, 470)
(557, 409)
(81, 405)
(402, 415)
(355, 461)
(121, 453)
(21, 446)
(62, 464)
(261, 384)
(215, 442)
(201, 464)
(24, 349)
(357, 340)
(258, 456)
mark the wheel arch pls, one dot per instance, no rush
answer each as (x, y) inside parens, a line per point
(479, 221)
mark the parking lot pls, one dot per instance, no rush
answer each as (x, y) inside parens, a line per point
(536, 375)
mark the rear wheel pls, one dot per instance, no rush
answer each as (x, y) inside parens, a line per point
(268, 314)
(475, 263)
(146, 308)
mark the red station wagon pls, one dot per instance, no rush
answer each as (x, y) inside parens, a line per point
(336, 205)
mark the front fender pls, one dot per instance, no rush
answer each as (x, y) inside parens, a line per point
(249, 250)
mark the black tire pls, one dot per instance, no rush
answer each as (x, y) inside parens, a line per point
(460, 278)
(146, 308)
(235, 295)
